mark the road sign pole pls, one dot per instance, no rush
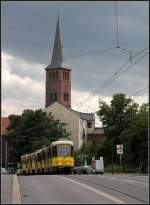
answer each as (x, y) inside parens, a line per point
(120, 164)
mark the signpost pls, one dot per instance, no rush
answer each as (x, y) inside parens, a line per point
(120, 152)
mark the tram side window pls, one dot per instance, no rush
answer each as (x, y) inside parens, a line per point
(54, 151)
(71, 150)
(38, 157)
(44, 156)
(49, 152)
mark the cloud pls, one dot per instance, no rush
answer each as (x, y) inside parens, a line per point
(19, 90)
(23, 89)
(84, 27)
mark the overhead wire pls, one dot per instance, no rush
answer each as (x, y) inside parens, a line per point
(138, 92)
(115, 74)
(116, 77)
(92, 52)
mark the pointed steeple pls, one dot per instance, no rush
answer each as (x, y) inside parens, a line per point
(57, 55)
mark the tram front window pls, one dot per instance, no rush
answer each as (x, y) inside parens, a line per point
(64, 150)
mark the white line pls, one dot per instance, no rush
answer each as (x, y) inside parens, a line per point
(128, 180)
(108, 196)
(16, 197)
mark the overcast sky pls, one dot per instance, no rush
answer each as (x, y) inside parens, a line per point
(28, 30)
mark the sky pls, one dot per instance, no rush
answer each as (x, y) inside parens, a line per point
(90, 33)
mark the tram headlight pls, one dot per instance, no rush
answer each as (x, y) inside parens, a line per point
(68, 163)
(59, 163)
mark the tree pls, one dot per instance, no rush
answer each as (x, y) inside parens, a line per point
(124, 122)
(31, 131)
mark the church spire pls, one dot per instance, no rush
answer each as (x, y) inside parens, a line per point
(57, 55)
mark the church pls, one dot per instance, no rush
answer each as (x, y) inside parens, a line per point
(58, 98)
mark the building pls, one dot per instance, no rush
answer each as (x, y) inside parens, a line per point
(77, 124)
(96, 134)
(58, 76)
(58, 98)
(4, 144)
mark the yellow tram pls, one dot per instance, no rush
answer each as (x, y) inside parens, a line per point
(57, 157)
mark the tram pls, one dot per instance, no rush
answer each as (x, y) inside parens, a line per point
(56, 158)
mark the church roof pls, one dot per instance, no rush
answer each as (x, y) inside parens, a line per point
(57, 55)
(81, 115)
(84, 116)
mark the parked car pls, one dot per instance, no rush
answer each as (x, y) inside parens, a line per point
(77, 170)
(3, 170)
(87, 170)
(11, 168)
(83, 170)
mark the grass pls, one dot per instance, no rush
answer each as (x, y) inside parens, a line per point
(117, 169)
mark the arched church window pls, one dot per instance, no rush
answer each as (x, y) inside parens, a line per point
(53, 75)
(56, 74)
(50, 75)
(66, 96)
(67, 75)
(51, 96)
(55, 96)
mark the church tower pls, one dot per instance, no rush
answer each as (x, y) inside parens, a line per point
(58, 75)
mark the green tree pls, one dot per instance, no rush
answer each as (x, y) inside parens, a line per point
(31, 131)
(124, 122)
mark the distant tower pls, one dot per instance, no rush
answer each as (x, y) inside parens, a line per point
(58, 76)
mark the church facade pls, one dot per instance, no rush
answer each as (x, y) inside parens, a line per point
(58, 96)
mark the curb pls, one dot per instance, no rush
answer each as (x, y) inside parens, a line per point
(16, 196)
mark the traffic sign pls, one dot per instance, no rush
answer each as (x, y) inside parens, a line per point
(119, 148)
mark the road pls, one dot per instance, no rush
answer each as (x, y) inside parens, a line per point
(6, 188)
(84, 189)
(81, 189)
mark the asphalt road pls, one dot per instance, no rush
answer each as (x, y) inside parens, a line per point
(80, 189)
(6, 188)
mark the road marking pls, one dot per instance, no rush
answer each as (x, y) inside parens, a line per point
(16, 197)
(108, 196)
(128, 180)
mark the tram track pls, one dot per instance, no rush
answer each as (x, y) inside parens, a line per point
(132, 179)
(109, 188)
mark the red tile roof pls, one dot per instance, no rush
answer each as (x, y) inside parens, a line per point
(4, 124)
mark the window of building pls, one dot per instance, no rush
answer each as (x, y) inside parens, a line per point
(55, 96)
(50, 75)
(89, 124)
(66, 96)
(53, 75)
(56, 74)
(68, 76)
(51, 96)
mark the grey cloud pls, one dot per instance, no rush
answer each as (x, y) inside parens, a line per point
(28, 30)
